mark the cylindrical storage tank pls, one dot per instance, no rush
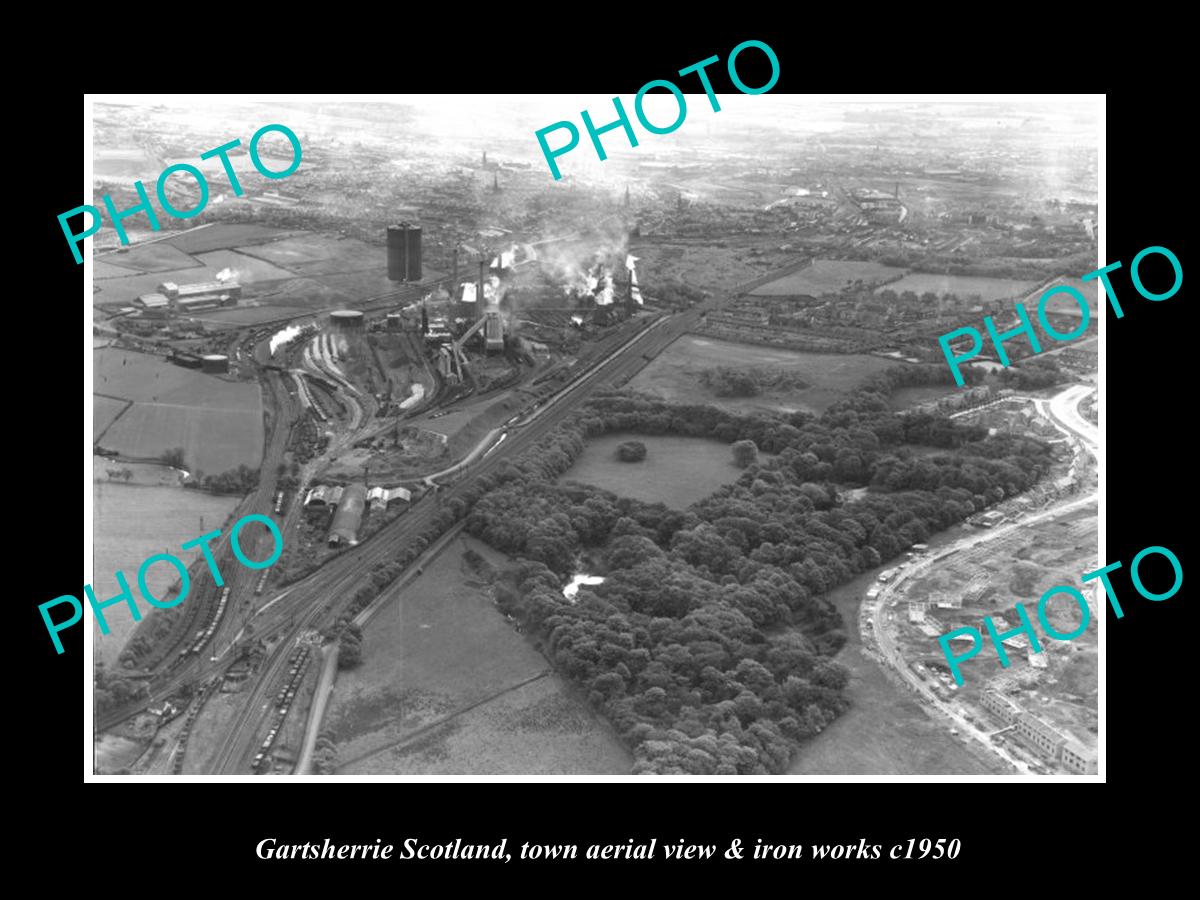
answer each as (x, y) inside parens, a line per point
(215, 362)
(397, 250)
(414, 253)
(346, 318)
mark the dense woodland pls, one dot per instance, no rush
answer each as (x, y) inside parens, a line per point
(709, 645)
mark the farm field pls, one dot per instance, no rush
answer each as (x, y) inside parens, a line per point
(104, 411)
(224, 237)
(213, 440)
(132, 522)
(249, 269)
(247, 315)
(826, 276)
(964, 286)
(677, 470)
(218, 423)
(447, 685)
(141, 376)
(674, 375)
(159, 256)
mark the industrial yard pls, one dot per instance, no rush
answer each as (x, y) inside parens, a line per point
(419, 337)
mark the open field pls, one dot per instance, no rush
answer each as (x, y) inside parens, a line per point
(448, 686)
(300, 248)
(249, 269)
(677, 470)
(247, 315)
(217, 422)
(826, 276)
(674, 375)
(223, 237)
(132, 522)
(159, 256)
(141, 376)
(102, 269)
(963, 285)
(213, 439)
(104, 411)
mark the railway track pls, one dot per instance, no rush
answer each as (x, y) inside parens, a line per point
(318, 599)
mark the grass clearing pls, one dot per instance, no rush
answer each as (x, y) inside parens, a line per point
(212, 439)
(674, 375)
(659, 478)
(142, 377)
(249, 269)
(104, 411)
(826, 276)
(448, 685)
(224, 237)
(158, 256)
(963, 285)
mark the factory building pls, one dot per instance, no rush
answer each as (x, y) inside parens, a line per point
(322, 498)
(347, 519)
(380, 497)
(152, 301)
(346, 318)
(404, 252)
(176, 292)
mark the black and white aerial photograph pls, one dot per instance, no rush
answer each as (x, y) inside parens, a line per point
(427, 440)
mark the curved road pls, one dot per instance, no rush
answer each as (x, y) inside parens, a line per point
(1062, 409)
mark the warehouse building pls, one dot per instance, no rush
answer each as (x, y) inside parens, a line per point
(348, 517)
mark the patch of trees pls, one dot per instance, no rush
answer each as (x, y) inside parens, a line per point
(173, 457)
(324, 759)
(681, 647)
(631, 451)
(1031, 374)
(729, 381)
(350, 647)
(113, 691)
(241, 480)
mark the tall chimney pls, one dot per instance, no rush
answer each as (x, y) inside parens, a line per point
(454, 277)
(485, 159)
(482, 267)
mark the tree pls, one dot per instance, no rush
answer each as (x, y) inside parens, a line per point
(631, 451)
(745, 453)
(174, 457)
(350, 647)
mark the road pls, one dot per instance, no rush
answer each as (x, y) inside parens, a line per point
(1063, 411)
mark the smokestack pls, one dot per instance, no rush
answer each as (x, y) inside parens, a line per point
(482, 268)
(897, 194)
(496, 183)
(454, 277)
(485, 159)
(424, 320)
